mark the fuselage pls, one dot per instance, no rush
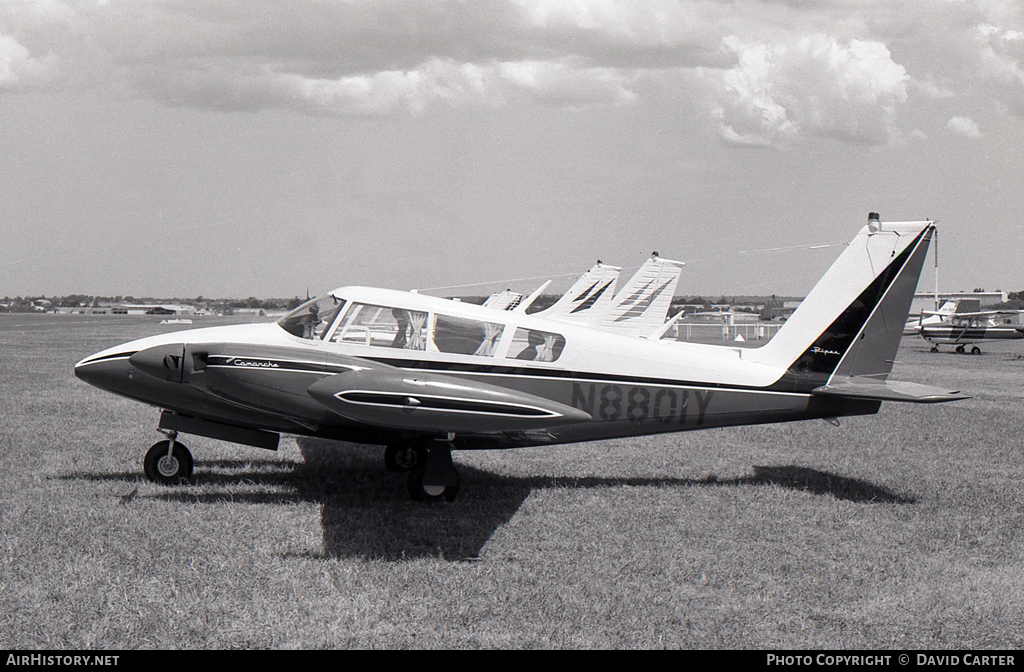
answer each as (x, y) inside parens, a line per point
(499, 378)
(968, 332)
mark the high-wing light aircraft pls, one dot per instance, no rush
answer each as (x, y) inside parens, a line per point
(950, 326)
(424, 376)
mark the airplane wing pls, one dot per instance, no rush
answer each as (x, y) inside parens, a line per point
(641, 307)
(985, 313)
(860, 387)
(587, 299)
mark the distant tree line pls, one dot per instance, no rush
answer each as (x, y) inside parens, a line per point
(1014, 301)
(771, 306)
(41, 303)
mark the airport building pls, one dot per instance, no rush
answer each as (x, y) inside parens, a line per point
(981, 299)
(130, 309)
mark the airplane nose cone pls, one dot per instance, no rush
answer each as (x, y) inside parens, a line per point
(108, 372)
(84, 372)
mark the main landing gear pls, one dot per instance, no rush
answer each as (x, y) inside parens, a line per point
(168, 462)
(432, 474)
(975, 350)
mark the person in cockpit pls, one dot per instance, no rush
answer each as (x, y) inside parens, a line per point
(535, 340)
(402, 318)
(309, 321)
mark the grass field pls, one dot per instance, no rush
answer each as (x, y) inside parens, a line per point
(901, 530)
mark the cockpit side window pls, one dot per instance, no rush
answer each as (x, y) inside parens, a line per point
(536, 346)
(462, 336)
(382, 326)
(312, 319)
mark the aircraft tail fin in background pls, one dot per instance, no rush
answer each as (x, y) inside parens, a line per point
(947, 308)
(506, 300)
(528, 301)
(641, 307)
(930, 317)
(842, 339)
(589, 297)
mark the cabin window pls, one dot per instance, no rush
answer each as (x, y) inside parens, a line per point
(460, 336)
(536, 346)
(313, 318)
(382, 326)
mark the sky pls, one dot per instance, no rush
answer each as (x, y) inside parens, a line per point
(229, 148)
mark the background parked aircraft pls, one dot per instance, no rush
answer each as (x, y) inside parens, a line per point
(951, 325)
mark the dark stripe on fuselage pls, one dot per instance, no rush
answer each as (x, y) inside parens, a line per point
(970, 333)
(456, 368)
(554, 374)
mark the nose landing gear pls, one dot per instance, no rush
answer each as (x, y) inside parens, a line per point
(168, 462)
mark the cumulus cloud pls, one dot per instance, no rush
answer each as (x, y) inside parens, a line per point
(411, 91)
(783, 69)
(18, 68)
(964, 126)
(809, 84)
(1000, 52)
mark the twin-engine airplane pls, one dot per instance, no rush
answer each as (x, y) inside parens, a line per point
(424, 376)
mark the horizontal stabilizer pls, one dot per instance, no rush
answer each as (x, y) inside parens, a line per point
(893, 390)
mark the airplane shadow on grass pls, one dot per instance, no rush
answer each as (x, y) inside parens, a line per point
(366, 512)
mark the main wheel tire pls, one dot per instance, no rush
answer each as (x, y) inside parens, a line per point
(975, 350)
(403, 457)
(430, 493)
(168, 469)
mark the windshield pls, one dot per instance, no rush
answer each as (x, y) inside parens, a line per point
(311, 319)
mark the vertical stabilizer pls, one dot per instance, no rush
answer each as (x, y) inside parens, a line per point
(589, 297)
(851, 323)
(506, 300)
(641, 307)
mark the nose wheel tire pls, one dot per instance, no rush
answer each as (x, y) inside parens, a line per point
(167, 465)
(404, 457)
(423, 492)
